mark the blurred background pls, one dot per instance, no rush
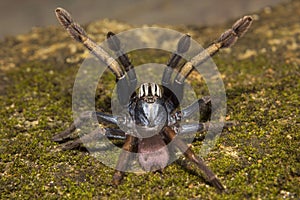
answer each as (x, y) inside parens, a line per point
(19, 16)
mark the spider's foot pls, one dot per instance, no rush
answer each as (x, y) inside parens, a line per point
(217, 184)
(61, 136)
(229, 37)
(117, 178)
(74, 29)
(64, 17)
(71, 144)
(229, 124)
(58, 137)
(242, 25)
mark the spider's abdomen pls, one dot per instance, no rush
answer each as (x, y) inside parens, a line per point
(153, 153)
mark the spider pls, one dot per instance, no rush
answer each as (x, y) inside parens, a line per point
(152, 107)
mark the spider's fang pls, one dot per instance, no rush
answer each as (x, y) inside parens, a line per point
(149, 90)
(146, 86)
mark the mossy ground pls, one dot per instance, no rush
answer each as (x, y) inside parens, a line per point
(257, 159)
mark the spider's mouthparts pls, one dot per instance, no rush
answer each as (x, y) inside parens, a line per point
(149, 90)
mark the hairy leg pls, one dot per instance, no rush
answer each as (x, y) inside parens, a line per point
(114, 44)
(189, 154)
(129, 146)
(81, 119)
(78, 33)
(182, 47)
(227, 39)
(93, 136)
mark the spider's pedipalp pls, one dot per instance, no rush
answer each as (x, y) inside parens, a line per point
(182, 47)
(115, 45)
(114, 42)
(184, 44)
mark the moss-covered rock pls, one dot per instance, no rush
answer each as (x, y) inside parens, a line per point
(258, 159)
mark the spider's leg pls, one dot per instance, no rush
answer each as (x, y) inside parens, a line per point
(113, 133)
(203, 106)
(114, 44)
(129, 146)
(182, 47)
(188, 153)
(93, 136)
(193, 128)
(81, 119)
(78, 33)
(227, 39)
(201, 127)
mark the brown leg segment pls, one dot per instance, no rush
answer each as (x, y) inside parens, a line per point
(188, 153)
(128, 147)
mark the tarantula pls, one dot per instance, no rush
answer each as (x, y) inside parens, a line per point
(151, 107)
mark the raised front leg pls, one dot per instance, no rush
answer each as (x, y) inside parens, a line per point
(227, 39)
(78, 33)
(189, 154)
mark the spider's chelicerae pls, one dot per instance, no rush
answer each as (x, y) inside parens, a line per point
(152, 107)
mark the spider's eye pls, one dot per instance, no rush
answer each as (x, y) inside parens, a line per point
(149, 90)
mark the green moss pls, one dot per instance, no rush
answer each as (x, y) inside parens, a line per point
(257, 159)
